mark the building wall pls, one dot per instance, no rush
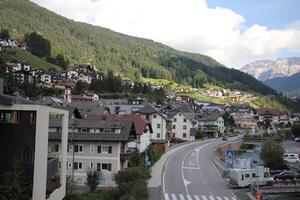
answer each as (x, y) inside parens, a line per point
(181, 126)
(159, 128)
(89, 157)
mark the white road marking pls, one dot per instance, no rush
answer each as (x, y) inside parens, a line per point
(211, 197)
(174, 196)
(203, 197)
(196, 197)
(166, 196)
(181, 197)
(226, 198)
(233, 198)
(190, 168)
(189, 197)
(219, 198)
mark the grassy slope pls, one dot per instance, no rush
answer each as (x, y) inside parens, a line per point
(27, 57)
(125, 55)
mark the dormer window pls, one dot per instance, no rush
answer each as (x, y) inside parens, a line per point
(117, 130)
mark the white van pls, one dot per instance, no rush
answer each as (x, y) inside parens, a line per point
(291, 157)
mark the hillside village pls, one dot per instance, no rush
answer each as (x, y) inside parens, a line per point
(92, 114)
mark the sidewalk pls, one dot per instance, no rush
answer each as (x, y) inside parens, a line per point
(155, 182)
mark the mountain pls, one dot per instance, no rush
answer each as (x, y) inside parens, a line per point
(268, 69)
(128, 56)
(288, 85)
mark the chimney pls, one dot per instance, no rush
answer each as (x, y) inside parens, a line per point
(1, 85)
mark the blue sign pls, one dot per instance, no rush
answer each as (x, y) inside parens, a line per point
(149, 163)
(229, 158)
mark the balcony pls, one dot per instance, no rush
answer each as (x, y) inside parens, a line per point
(126, 155)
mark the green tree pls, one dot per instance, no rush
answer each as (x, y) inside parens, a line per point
(272, 155)
(200, 79)
(80, 87)
(93, 179)
(14, 185)
(200, 134)
(4, 34)
(62, 61)
(296, 130)
(38, 45)
(228, 119)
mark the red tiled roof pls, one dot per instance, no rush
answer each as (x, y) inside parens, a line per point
(139, 122)
(273, 112)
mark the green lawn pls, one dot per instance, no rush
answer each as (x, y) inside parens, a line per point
(25, 56)
(164, 82)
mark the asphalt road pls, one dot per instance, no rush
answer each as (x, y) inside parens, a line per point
(191, 175)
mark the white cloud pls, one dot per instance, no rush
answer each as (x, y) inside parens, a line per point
(186, 25)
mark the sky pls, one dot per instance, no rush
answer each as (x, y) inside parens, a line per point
(234, 32)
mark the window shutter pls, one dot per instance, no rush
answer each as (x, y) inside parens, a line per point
(76, 148)
(109, 149)
(99, 149)
(109, 166)
(98, 166)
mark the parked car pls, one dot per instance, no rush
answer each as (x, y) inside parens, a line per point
(291, 157)
(225, 138)
(286, 175)
(297, 139)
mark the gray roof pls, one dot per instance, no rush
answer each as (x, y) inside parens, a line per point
(147, 109)
(10, 100)
(211, 117)
(127, 130)
(89, 108)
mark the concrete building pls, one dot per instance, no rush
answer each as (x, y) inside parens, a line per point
(24, 139)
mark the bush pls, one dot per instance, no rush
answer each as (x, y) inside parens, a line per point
(296, 130)
(93, 179)
(200, 134)
(132, 183)
(272, 155)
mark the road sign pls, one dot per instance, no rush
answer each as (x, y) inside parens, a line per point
(229, 158)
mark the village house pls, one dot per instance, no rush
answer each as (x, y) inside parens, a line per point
(160, 126)
(212, 123)
(95, 145)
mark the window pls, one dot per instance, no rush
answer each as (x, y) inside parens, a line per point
(247, 175)
(184, 135)
(253, 174)
(92, 166)
(117, 130)
(158, 135)
(106, 166)
(10, 117)
(242, 177)
(92, 148)
(78, 148)
(179, 114)
(104, 149)
(174, 119)
(158, 125)
(79, 181)
(174, 126)
(78, 165)
(98, 166)
(184, 119)
(184, 127)
(32, 118)
(69, 165)
(107, 130)
(56, 148)
(154, 116)
(70, 147)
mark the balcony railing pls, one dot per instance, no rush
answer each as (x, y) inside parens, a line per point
(126, 155)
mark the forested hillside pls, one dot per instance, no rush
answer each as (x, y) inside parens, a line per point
(128, 56)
